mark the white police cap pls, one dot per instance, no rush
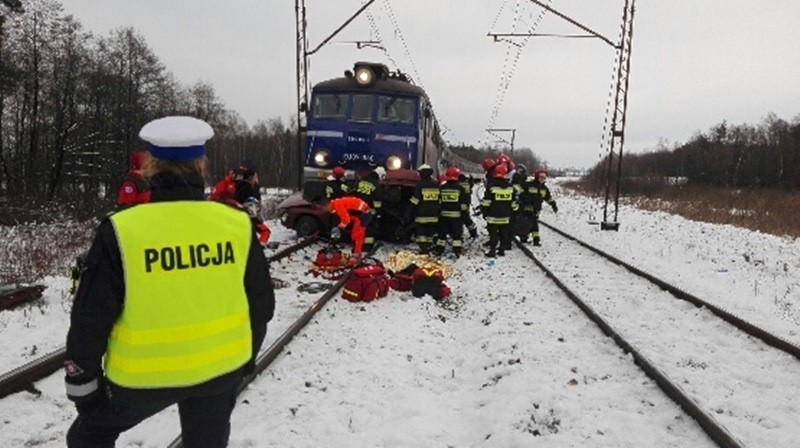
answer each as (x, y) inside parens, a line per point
(177, 138)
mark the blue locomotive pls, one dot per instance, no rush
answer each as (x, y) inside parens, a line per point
(369, 118)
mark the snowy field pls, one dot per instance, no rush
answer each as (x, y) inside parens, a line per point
(515, 364)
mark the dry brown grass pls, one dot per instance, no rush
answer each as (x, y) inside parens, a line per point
(769, 211)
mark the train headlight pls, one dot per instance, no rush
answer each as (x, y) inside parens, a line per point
(322, 157)
(364, 76)
(394, 163)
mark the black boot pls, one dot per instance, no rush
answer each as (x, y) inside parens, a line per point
(536, 241)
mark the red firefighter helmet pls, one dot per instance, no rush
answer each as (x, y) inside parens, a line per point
(338, 172)
(487, 164)
(539, 171)
(452, 173)
(500, 171)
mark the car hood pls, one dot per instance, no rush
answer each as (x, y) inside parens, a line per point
(295, 200)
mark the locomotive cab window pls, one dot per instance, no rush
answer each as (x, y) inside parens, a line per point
(330, 106)
(395, 110)
(362, 109)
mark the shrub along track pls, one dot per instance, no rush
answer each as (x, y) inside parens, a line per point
(706, 365)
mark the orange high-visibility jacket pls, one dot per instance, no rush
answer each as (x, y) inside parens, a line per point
(345, 206)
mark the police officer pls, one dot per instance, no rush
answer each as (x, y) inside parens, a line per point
(172, 306)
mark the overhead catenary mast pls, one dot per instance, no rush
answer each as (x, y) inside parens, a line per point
(615, 131)
(303, 54)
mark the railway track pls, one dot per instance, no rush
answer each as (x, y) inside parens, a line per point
(701, 382)
(23, 377)
(627, 304)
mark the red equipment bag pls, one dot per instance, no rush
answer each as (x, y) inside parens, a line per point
(429, 281)
(402, 280)
(366, 284)
(329, 259)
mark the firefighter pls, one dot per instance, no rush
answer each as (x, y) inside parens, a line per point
(349, 210)
(535, 192)
(453, 206)
(157, 278)
(425, 209)
(368, 188)
(335, 186)
(498, 205)
(466, 184)
(134, 188)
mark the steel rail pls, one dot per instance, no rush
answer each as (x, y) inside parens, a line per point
(21, 378)
(715, 430)
(265, 359)
(749, 328)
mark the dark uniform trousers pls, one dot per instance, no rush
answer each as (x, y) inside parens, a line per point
(499, 235)
(453, 227)
(205, 421)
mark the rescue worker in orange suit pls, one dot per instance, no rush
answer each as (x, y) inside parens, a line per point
(498, 205)
(425, 209)
(335, 186)
(535, 192)
(134, 189)
(453, 206)
(368, 188)
(157, 278)
(349, 210)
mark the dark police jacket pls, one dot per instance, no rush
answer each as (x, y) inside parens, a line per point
(101, 293)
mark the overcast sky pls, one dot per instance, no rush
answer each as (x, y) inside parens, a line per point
(694, 63)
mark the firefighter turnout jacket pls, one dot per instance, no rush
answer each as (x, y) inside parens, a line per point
(425, 202)
(534, 193)
(499, 202)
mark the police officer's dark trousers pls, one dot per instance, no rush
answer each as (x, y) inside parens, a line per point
(205, 421)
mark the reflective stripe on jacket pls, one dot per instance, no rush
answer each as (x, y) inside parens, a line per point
(499, 203)
(186, 316)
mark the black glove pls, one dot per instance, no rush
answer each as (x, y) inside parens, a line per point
(555, 207)
(96, 400)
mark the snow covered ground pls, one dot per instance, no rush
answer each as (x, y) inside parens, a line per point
(516, 364)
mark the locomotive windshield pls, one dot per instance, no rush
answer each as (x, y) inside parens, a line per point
(330, 106)
(396, 110)
(362, 109)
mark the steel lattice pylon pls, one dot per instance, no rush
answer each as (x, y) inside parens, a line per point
(618, 119)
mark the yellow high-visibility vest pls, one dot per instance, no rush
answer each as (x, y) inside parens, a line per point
(186, 317)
